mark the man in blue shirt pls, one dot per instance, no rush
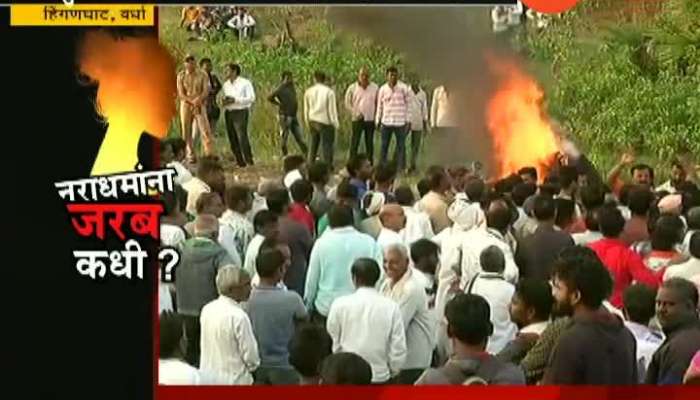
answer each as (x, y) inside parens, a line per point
(328, 276)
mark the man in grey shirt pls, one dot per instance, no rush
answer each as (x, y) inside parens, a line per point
(201, 258)
(274, 312)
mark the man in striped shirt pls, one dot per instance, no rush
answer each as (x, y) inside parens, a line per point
(393, 116)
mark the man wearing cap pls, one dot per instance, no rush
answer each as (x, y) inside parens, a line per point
(192, 92)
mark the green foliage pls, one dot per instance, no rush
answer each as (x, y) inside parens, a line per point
(627, 86)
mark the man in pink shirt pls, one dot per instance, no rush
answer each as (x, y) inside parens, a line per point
(624, 265)
(393, 117)
(361, 102)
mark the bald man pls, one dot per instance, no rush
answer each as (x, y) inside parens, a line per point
(192, 91)
(200, 259)
(393, 220)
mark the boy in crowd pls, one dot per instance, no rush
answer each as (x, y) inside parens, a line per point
(299, 211)
(294, 169)
(266, 226)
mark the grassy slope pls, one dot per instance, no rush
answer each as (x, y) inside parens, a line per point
(262, 61)
(341, 55)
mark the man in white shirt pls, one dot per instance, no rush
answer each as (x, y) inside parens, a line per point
(491, 285)
(406, 287)
(639, 307)
(393, 220)
(168, 159)
(248, 24)
(418, 109)
(361, 103)
(330, 266)
(266, 226)
(172, 370)
(229, 350)
(678, 177)
(393, 116)
(238, 97)
(417, 223)
(690, 269)
(368, 324)
(236, 23)
(321, 116)
(442, 116)
(210, 178)
(498, 218)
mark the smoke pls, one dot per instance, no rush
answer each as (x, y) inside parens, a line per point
(447, 45)
(136, 93)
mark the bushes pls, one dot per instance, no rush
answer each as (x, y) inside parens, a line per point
(635, 86)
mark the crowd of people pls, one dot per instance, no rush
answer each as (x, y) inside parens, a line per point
(398, 111)
(205, 20)
(569, 278)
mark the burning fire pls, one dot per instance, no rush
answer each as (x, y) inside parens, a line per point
(136, 92)
(522, 133)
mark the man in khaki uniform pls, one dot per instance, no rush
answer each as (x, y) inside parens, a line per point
(192, 90)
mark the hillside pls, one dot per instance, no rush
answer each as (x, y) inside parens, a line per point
(619, 79)
(318, 46)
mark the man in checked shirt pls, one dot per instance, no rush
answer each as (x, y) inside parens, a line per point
(393, 116)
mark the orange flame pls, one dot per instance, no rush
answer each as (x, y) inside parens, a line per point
(136, 93)
(522, 133)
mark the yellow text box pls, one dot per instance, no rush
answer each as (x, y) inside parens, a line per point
(82, 15)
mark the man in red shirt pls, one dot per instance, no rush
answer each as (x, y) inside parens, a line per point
(302, 191)
(624, 265)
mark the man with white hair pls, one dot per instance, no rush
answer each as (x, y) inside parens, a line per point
(229, 350)
(405, 286)
(200, 259)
